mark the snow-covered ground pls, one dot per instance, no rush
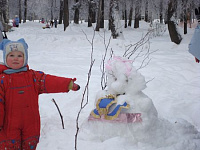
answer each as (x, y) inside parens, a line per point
(172, 75)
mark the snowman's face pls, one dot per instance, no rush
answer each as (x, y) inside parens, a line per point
(117, 83)
(123, 78)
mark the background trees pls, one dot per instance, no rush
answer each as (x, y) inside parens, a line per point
(96, 11)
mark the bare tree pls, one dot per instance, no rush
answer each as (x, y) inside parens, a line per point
(100, 18)
(52, 9)
(125, 15)
(161, 11)
(4, 11)
(20, 11)
(102, 15)
(173, 32)
(25, 11)
(76, 7)
(85, 97)
(66, 14)
(91, 12)
(61, 11)
(114, 18)
(137, 13)
(130, 14)
(184, 5)
(146, 16)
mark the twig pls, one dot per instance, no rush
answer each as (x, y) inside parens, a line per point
(59, 112)
(102, 66)
(86, 90)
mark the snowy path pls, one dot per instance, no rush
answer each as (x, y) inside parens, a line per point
(174, 90)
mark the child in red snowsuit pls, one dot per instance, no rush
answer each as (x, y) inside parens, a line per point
(19, 90)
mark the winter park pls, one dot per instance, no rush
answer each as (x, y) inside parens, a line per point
(139, 84)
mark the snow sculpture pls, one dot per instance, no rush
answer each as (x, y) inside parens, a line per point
(125, 85)
(123, 101)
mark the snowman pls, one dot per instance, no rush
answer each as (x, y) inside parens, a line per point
(123, 110)
(123, 107)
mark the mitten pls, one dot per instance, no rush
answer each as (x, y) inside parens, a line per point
(73, 86)
(196, 60)
(197, 14)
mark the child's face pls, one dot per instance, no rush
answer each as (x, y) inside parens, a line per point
(15, 59)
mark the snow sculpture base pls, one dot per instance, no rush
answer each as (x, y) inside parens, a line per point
(122, 118)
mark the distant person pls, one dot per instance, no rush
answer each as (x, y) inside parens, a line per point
(55, 22)
(51, 23)
(194, 46)
(13, 22)
(42, 21)
(47, 25)
(16, 21)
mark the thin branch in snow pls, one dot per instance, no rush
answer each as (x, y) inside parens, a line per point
(59, 113)
(102, 66)
(129, 52)
(86, 89)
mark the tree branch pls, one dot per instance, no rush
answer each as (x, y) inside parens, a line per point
(59, 112)
(86, 90)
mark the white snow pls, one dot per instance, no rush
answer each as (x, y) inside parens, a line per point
(173, 85)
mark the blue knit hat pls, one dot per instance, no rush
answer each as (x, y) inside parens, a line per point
(8, 46)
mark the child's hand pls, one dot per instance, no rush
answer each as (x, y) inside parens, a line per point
(196, 60)
(73, 86)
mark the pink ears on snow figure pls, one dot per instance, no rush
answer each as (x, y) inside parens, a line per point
(127, 64)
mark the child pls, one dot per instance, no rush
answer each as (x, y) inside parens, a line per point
(16, 21)
(19, 90)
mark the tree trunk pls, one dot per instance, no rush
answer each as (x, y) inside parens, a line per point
(92, 11)
(61, 12)
(174, 35)
(99, 16)
(20, 11)
(146, 16)
(130, 16)
(76, 14)
(161, 11)
(66, 14)
(51, 9)
(102, 15)
(90, 14)
(137, 14)
(25, 11)
(94, 14)
(5, 11)
(185, 21)
(115, 25)
(111, 20)
(184, 9)
(125, 16)
(110, 15)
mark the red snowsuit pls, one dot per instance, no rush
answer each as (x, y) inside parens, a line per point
(19, 112)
